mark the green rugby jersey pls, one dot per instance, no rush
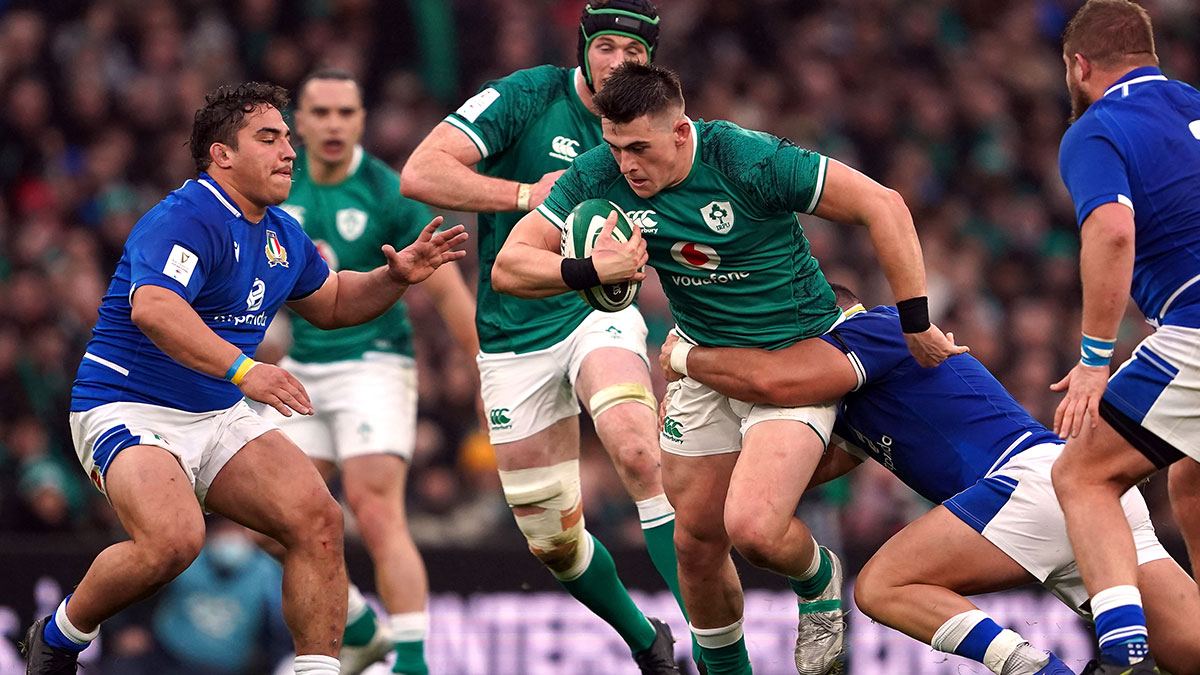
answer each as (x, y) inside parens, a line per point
(349, 222)
(726, 241)
(525, 126)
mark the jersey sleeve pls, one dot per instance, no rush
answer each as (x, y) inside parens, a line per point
(315, 272)
(873, 342)
(589, 177)
(1092, 168)
(497, 115)
(780, 174)
(175, 253)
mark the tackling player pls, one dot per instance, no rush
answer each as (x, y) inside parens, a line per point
(737, 271)
(1131, 162)
(362, 379)
(954, 435)
(158, 419)
(520, 132)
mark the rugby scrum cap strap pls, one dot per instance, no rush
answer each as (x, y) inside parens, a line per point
(637, 19)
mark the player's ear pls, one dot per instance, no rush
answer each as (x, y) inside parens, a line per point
(682, 131)
(220, 154)
(1085, 66)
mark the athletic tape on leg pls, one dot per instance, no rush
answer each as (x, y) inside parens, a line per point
(616, 394)
(555, 534)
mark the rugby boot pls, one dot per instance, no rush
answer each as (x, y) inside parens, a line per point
(822, 627)
(659, 657)
(1146, 666)
(1055, 667)
(354, 660)
(45, 659)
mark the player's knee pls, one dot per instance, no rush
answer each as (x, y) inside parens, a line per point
(168, 555)
(699, 548)
(548, 507)
(378, 513)
(1063, 475)
(315, 523)
(753, 537)
(870, 590)
(629, 429)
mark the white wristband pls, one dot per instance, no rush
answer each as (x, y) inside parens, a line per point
(679, 354)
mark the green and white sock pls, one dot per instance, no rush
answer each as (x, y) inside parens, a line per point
(812, 581)
(724, 649)
(408, 632)
(658, 527)
(360, 619)
(600, 589)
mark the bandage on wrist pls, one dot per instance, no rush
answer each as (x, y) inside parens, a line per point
(524, 192)
(679, 354)
(1095, 351)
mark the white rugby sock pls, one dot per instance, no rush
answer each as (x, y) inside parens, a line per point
(68, 629)
(814, 566)
(314, 664)
(715, 638)
(356, 604)
(655, 511)
(409, 626)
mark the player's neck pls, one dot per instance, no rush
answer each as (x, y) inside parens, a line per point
(250, 210)
(585, 93)
(326, 173)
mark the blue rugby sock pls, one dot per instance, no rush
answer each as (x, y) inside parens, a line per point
(1120, 625)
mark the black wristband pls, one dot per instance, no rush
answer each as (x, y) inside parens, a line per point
(914, 314)
(579, 273)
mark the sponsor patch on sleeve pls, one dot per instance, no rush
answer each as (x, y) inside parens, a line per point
(474, 106)
(180, 264)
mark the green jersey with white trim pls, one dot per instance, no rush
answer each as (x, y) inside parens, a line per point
(525, 126)
(726, 240)
(349, 222)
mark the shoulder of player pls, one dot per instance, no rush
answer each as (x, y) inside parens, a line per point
(545, 83)
(733, 150)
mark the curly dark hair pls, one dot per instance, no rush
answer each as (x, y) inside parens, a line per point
(224, 113)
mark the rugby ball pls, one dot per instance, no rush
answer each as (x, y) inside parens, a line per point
(582, 229)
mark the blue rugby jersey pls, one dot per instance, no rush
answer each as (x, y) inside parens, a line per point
(235, 274)
(939, 430)
(1139, 145)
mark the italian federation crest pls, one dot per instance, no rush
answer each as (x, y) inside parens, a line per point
(276, 253)
(718, 216)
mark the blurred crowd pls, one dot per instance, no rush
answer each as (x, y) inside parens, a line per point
(958, 104)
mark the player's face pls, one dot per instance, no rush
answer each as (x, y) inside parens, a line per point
(1079, 98)
(261, 165)
(330, 119)
(651, 151)
(607, 52)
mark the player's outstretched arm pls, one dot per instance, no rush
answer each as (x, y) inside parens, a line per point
(1106, 270)
(349, 298)
(439, 172)
(808, 372)
(175, 328)
(851, 197)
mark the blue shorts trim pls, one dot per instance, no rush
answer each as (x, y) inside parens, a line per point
(109, 444)
(978, 505)
(1137, 385)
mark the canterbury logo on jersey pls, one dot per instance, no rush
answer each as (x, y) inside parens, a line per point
(644, 220)
(564, 148)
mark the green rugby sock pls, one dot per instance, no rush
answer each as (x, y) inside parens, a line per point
(410, 658)
(728, 660)
(360, 631)
(601, 591)
(815, 585)
(658, 528)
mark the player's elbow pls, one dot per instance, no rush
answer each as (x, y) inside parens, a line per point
(503, 279)
(414, 179)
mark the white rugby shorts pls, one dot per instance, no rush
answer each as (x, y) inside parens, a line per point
(362, 407)
(1015, 508)
(203, 442)
(526, 393)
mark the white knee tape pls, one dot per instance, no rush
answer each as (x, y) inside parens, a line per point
(616, 394)
(556, 533)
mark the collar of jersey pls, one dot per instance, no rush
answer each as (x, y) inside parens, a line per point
(211, 185)
(695, 158)
(575, 99)
(856, 309)
(1135, 76)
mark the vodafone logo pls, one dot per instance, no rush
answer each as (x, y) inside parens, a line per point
(695, 256)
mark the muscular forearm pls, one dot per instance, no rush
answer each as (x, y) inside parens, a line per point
(896, 246)
(528, 271)
(362, 296)
(439, 179)
(175, 328)
(743, 374)
(1106, 269)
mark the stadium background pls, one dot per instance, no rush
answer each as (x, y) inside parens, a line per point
(959, 105)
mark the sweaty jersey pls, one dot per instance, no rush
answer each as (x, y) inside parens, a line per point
(525, 126)
(939, 430)
(726, 241)
(1139, 145)
(349, 222)
(234, 273)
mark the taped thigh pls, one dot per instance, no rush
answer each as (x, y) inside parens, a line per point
(555, 534)
(616, 394)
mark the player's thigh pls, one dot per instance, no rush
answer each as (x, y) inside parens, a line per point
(939, 549)
(1172, 603)
(608, 348)
(777, 460)
(269, 485)
(525, 394)
(695, 486)
(614, 385)
(555, 444)
(153, 497)
(1100, 455)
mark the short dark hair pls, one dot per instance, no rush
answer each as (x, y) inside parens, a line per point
(636, 89)
(224, 114)
(1109, 32)
(843, 296)
(326, 73)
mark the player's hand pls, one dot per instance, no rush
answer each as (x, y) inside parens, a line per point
(616, 261)
(277, 388)
(932, 347)
(415, 262)
(541, 189)
(1085, 386)
(664, 358)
